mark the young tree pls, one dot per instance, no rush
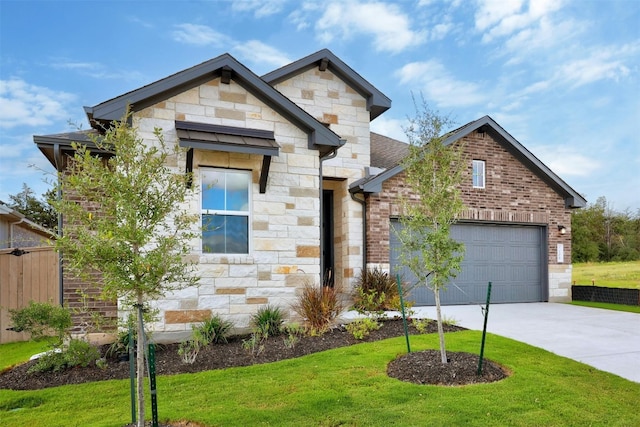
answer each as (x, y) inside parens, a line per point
(124, 217)
(41, 212)
(434, 174)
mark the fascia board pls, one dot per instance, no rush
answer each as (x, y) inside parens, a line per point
(115, 108)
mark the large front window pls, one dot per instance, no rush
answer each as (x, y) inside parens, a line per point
(225, 211)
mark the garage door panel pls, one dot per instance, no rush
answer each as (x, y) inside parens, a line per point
(508, 256)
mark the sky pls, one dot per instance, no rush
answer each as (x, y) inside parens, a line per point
(561, 76)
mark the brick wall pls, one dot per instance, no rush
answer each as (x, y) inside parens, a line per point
(512, 194)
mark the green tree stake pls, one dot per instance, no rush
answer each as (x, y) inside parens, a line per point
(484, 329)
(404, 317)
(132, 375)
(152, 385)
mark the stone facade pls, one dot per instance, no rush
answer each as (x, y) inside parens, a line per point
(512, 194)
(285, 221)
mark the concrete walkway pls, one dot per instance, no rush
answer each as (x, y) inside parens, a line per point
(605, 339)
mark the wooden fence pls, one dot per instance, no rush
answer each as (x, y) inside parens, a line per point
(32, 276)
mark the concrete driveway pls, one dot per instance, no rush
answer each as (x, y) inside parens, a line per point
(605, 339)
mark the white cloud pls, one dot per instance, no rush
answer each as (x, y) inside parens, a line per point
(260, 53)
(438, 85)
(260, 8)
(95, 70)
(603, 63)
(199, 35)
(502, 18)
(567, 161)
(140, 22)
(23, 104)
(386, 23)
(393, 128)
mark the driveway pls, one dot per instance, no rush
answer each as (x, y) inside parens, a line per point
(605, 339)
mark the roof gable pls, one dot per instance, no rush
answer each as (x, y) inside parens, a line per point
(227, 68)
(572, 198)
(377, 102)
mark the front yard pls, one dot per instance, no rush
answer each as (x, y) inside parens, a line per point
(349, 386)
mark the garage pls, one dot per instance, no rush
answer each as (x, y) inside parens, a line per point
(512, 257)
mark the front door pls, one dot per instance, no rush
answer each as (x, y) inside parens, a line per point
(327, 238)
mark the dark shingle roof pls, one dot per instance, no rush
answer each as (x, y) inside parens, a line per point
(387, 152)
(573, 199)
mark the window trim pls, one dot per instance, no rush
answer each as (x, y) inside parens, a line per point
(247, 213)
(480, 175)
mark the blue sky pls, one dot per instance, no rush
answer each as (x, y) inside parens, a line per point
(562, 76)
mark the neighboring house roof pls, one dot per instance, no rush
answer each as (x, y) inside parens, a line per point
(13, 218)
(377, 102)
(227, 68)
(572, 198)
(387, 152)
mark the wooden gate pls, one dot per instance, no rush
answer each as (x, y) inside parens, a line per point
(32, 276)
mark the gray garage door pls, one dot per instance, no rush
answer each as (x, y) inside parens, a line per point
(512, 258)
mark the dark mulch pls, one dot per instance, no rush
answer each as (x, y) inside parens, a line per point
(419, 367)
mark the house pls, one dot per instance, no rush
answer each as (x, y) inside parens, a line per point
(516, 226)
(284, 166)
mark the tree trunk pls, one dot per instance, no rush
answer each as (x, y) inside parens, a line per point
(443, 351)
(140, 364)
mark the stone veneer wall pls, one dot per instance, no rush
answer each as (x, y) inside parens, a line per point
(330, 100)
(285, 221)
(512, 194)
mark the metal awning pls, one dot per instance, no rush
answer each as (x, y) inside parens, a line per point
(202, 136)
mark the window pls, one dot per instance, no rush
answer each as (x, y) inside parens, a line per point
(478, 174)
(225, 211)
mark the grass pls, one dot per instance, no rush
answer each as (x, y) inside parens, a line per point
(349, 387)
(609, 306)
(16, 352)
(608, 274)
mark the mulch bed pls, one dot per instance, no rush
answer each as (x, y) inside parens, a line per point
(422, 367)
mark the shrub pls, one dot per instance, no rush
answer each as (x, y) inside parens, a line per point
(188, 350)
(76, 353)
(421, 325)
(268, 321)
(42, 320)
(216, 329)
(376, 290)
(318, 306)
(292, 333)
(361, 328)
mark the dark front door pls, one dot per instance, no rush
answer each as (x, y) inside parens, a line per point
(327, 238)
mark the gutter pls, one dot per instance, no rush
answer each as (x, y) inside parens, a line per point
(57, 156)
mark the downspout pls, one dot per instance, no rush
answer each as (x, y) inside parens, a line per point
(58, 160)
(330, 155)
(11, 224)
(363, 202)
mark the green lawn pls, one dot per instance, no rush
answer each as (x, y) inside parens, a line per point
(609, 306)
(608, 274)
(349, 387)
(15, 352)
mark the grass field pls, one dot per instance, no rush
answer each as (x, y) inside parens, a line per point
(349, 387)
(608, 274)
(609, 306)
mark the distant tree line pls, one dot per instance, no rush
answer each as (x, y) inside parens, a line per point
(37, 209)
(599, 233)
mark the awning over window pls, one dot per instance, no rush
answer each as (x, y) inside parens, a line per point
(229, 139)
